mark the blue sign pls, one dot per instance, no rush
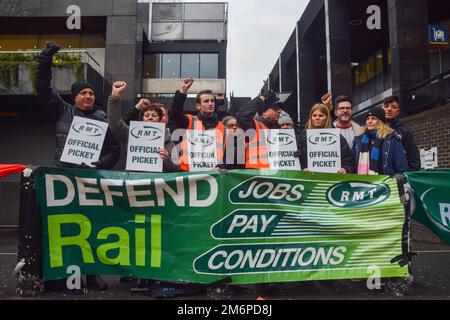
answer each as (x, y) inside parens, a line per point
(438, 34)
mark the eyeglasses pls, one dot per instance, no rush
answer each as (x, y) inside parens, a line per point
(345, 108)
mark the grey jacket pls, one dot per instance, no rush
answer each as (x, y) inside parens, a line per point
(121, 130)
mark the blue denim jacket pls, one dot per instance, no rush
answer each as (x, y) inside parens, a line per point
(393, 157)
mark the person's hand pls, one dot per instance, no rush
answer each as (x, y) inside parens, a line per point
(97, 164)
(327, 100)
(88, 166)
(51, 48)
(186, 85)
(270, 97)
(117, 88)
(342, 171)
(143, 103)
(164, 154)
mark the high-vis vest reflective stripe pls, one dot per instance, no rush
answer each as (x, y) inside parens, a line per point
(196, 124)
(256, 151)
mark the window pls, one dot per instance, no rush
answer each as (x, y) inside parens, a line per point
(152, 64)
(379, 62)
(37, 42)
(370, 67)
(167, 11)
(176, 65)
(209, 66)
(363, 72)
(171, 65)
(190, 65)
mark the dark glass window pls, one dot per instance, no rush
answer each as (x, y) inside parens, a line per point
(190, 65)
(209, 66)
(175, 65)
(171, 65)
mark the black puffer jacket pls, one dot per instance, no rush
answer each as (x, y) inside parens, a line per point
(64, 113)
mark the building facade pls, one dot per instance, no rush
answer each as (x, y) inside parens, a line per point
(371, 50)
(187, 40)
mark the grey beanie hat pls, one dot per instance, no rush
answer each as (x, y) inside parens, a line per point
(285, 118)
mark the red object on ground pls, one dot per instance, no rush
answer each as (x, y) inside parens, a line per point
(7, 169)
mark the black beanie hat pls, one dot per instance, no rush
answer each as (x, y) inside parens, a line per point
(377, 112)
(266, 105)
(78, 86)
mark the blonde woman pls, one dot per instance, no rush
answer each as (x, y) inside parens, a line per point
(320, 118)
(379, 150)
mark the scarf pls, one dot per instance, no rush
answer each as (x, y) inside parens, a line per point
(369, 162)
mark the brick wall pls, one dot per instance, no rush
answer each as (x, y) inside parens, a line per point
(432, 129)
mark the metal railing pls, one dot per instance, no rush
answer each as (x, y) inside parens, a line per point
(434, 91)
(85, 56)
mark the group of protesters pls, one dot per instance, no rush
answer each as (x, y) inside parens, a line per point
(381, 146)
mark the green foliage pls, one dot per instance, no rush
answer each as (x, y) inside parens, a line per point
(10, 62)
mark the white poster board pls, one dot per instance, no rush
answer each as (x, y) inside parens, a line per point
(202, 150)
(85, 141)
(324, 150)
(429, 158)
(282, 145)
(144, 141)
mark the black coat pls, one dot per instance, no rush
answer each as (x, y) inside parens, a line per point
(346, 152)
(64, 113)
(409, 144)
(248, 112)
(179, 119)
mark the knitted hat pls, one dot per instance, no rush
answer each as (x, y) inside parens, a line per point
(267, 105)
(285, 118)
(377, 112)
(78, 86)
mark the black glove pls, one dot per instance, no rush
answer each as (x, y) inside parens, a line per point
(271, 97)
(86, 166)
(51, 48)
(98, 164)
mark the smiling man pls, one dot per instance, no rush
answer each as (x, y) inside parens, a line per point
(83, 97)
(344, 113)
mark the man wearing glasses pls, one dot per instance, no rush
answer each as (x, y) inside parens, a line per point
(344, 113)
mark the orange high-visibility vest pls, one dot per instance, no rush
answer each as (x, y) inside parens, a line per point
(196, 124)
(256, 151)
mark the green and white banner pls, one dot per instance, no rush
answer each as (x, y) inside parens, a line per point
(252, 226)
(432, 195)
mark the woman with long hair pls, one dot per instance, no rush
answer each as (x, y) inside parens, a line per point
(379, 150)
(320, 118)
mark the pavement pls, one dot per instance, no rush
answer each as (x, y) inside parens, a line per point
(430, 274)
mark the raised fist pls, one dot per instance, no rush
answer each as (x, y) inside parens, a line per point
(186, 85)
(118, 87)
(271, 97)
(50, 49)
(144, 103)
(327, 100)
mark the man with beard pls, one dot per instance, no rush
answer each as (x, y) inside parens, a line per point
(344, 113)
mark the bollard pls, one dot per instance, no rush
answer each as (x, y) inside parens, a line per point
(29, 268)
